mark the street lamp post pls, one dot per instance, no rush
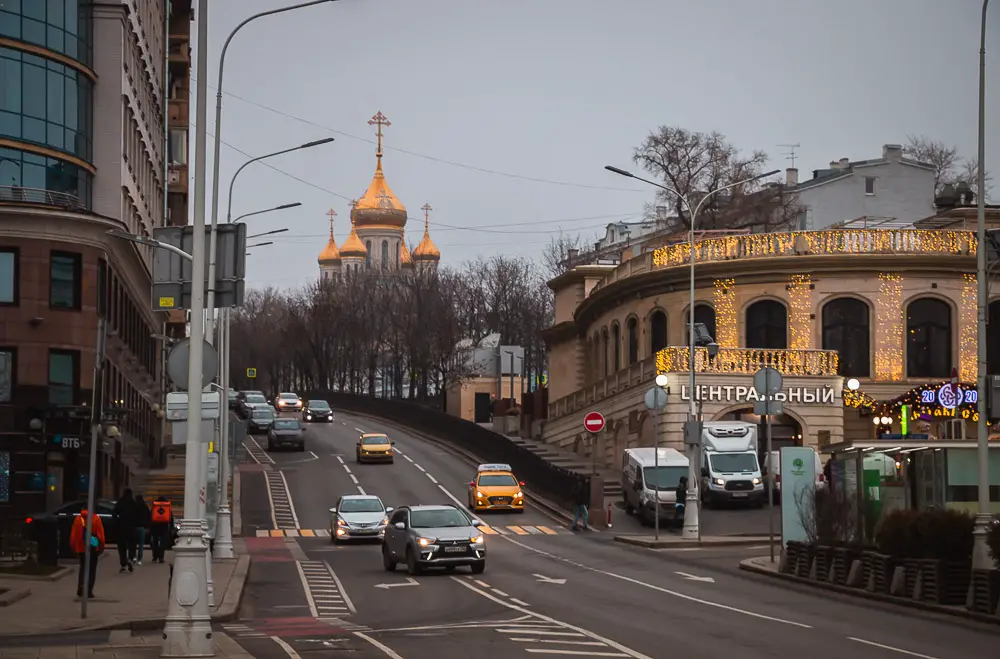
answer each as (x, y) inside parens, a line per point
(692, 529)
(981, 553)
(267, 210)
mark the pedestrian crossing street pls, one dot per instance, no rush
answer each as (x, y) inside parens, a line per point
(488, 530)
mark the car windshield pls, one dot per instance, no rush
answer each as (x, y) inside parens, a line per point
(732, 462)
(497, 480)
(263, 413)
(436, 519)
(256, 399)
(286, 424)
(360, 506)
(663, 478)
(288, 396)
(318, 405)
(375, 439)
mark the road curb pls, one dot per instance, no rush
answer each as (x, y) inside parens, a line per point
(547, 506)
(55, 576)
(748, 565)
(12, 595)
(648, 543)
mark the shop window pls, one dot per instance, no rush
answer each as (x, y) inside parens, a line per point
(847, 329)
(767, 325)
(657, 331)
(928, 339)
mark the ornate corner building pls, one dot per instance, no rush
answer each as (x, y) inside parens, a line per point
(378, 226)
(84, 148)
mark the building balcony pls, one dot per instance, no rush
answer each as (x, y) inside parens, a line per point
(17, 196)
(729, 361)
(178, 111)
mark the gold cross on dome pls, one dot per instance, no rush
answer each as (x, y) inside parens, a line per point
(426, 208)
(332, 214)
(384, 200)
(379, 120)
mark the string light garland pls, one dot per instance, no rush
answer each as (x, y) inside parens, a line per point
(800, 305)
(968, 344)
(922, 400)
(747, 361)
(726, 329)
(836, 241)
(889, 330)
(859, 400)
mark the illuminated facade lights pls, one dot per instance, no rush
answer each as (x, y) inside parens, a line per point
(889, 328)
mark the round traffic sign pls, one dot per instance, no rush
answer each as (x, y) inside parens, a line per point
(593, 422)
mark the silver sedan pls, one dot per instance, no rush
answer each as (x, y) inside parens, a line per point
(358, 517)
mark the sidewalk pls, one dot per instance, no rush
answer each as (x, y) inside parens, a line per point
(121, 645)
(673, 540)
(135, 601)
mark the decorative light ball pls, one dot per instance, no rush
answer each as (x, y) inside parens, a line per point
(853, 384)
(886, 421)
(661, 380)
(876, 421)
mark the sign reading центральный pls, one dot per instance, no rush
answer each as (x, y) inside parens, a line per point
(741, 393)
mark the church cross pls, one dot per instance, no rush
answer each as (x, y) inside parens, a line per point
(379, 120)
(332, 214)
(426, 208)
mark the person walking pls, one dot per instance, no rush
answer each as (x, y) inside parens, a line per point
(143, 519)
(125, 522)
(581, 499)
(161, 521)
(680, 498)
(78, 543)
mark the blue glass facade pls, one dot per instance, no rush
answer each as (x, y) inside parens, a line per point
(63, 26)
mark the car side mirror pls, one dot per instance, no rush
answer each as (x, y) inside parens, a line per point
(472, 483)
(333, 511)
(476, 522)
(704, 472)
(389, 509)
(521, 483)
(392, 443)
(399, 526)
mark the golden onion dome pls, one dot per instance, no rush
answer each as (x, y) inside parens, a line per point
(353, 247)
(404, 254)
(379, 207)
(330, 254)
(426, 250)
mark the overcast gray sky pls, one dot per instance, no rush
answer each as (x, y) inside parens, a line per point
(504, 112)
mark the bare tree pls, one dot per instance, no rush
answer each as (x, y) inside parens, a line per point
(557, 256)
(949, 165)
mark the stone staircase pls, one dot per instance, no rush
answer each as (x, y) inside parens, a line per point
(169, 483)
(573, 462)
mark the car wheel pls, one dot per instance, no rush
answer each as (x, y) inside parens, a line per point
(387, 562)
(478, 567)
(412, 566)
(392, 461)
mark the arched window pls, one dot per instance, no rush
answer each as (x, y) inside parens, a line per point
(588, 365)
(368, 250)
(632, 329)
(847, 329)
(385, 254)
(657, 332)
(767, 325)
(397, 254)
(616, 346)
(993, 339)
(928, 338)
(596, 357)
(704, 314)
(605, 354)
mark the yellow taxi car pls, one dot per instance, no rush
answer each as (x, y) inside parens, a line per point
(375, 447)
(495, 488)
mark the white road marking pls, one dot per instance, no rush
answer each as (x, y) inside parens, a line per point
(564, 625)
(360, 431)
(354, 478)
(323, 590)
(305, 589)
(576, 653)
(519, 602)
(666, 591)
(315, 457)
(386, 650)
(406, 457)
(564, 642)
(540, 632)
(460, 504)
(419, 467)
(340, 459)
(340, 587)
(362, 490)
(291, 505)
(257, 452)
(347, 469)
(481, 584)
(286, 647)
(500, 592)
(889, 647)
(282, 511)
(399, 451)
(433, 480)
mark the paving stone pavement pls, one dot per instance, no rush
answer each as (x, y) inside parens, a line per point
(120, 645)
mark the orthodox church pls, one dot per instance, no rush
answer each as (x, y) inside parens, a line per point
(378, 223)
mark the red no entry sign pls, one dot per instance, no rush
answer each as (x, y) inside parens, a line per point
(593, 422)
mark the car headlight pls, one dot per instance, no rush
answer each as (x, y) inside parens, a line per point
(423, 542)
(309, 417)
(384, 522)
(341, 522)
(718, 481)
(518, 495)
(478, 540)
(480, 495)
(756, 481)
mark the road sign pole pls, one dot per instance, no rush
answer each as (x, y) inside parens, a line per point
(656, 470)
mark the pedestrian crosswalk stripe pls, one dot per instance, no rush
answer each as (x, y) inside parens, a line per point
(488, 530)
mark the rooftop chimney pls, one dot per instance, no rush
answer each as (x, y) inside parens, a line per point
(572, 253)
(791, 176)
(845, 163)
(892, 152)
(834, 164)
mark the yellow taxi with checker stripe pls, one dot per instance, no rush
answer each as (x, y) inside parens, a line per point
(495, 488)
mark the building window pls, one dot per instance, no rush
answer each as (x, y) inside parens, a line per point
(4, 476)
(632, 331)
(64, 280)
(8, 367)
(64, 367)
(869, 185)
(385, 254)
(928, 338)
(178, 146)
(847, 329)
(33, 179)
(616, 346)
(368, 250)
(704, 314)
(9, 276)
(657, 332)
(606, 355)
(60, 25)
(767, 325)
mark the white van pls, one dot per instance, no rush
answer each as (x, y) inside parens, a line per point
(646, 475)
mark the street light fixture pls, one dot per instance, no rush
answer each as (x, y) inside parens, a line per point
(692, 527)
(149, 242)
(267, 233)
(260, 244)
(268, 210)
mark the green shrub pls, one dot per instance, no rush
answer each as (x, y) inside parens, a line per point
(946, 535)
(897, 534)
(993, 540)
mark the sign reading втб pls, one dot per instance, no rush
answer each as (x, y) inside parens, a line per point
(251, 373)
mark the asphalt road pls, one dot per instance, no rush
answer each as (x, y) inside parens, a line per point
(545, 592)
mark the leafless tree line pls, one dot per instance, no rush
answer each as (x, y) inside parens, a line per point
(400, 333)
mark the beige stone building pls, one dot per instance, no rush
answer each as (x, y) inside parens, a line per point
(894, 309)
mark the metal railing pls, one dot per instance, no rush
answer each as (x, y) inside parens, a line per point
(550, 481)
(12, 194)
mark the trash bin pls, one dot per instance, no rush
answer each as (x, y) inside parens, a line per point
(47, 539)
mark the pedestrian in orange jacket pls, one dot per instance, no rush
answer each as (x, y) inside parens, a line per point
(77, 542)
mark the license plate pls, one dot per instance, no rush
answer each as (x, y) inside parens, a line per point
(365, 531)
(740, 495)
(454, 550)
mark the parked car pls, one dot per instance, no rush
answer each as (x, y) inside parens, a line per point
(261, 419)
(285, 433)
(317, 410)
(251, 401)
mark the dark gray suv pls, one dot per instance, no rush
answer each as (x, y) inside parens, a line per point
(433, 536)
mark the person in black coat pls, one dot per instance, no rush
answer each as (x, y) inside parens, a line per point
(142, 521)
(581, 499)
(125, 522)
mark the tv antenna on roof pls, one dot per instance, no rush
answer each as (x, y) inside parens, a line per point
(790, 154)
